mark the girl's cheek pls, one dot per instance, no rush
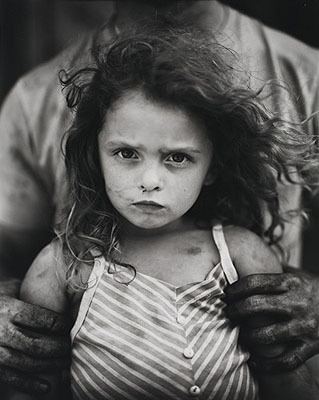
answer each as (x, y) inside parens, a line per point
(116, 189)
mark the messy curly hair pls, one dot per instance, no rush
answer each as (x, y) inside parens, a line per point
(186, 69)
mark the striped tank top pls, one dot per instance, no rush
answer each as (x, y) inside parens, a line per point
(151, 340)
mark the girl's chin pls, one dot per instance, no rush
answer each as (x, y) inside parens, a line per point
(146, 223)
(150, 227)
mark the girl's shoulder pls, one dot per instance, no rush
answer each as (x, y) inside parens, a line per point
(45, 281)
(47, 284)
(250, 253)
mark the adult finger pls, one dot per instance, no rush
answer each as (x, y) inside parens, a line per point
(41, 319)
(257, 305)
(35, 345)
(256, 284)
(281, 332)
(13, 359)
(23, 382)
(291, 359)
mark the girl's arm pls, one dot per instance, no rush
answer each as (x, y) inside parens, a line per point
(251, 255)
(45, 285)
(45, 281)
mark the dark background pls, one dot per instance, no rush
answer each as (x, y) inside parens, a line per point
(32, 31)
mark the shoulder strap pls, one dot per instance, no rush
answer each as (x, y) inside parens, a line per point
(87, 297)
(225, 259)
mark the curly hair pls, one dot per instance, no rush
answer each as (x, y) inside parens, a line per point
(183, 68)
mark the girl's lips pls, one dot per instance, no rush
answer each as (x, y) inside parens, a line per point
(148, 205)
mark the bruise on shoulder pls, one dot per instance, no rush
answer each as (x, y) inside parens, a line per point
(193, 250)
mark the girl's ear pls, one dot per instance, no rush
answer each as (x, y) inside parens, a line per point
(210, 178)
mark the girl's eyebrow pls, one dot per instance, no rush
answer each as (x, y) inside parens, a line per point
(119, 143)
(163, 150)
(180, 149)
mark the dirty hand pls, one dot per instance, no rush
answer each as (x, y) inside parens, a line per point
(33, 340)
(289, 300)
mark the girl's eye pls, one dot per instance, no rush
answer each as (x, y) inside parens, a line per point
(178, 158)
(126, 154)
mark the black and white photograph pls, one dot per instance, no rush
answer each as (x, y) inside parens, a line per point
(159, 200)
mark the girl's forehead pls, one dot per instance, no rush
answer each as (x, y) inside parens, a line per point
(137, 118)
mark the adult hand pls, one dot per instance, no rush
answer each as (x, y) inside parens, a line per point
(33, 340)
(291, 302)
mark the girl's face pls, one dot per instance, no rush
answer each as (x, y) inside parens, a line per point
(155, 160)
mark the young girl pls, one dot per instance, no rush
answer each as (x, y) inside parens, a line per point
(171, 165)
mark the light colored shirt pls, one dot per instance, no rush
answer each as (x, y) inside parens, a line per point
(151, 340)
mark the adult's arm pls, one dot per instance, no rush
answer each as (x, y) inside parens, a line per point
(291, 299)
(32, 339)
(45, 285)
(29, 336)
(26, 205)
(296, 384)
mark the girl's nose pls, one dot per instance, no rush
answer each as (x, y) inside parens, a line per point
(151, 180)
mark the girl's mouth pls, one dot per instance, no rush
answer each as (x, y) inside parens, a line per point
(147, 205)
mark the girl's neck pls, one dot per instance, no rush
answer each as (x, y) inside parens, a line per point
(178, 255)
(130, 233)
(202, 13)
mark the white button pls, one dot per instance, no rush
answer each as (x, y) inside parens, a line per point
(180, 319)
(194, 391)
(188, 352)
